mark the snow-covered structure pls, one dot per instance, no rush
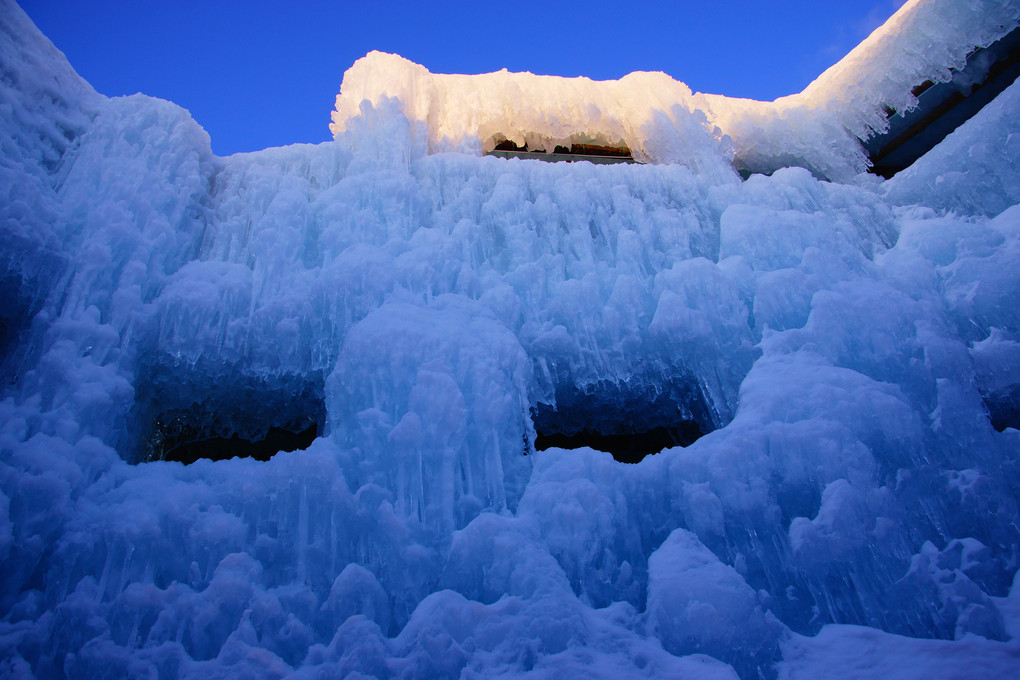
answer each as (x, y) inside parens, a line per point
(850, 352)
(662, 121)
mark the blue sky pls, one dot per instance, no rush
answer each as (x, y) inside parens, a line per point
(258, 74)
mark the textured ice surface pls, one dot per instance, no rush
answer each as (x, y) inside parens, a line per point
(849, 345)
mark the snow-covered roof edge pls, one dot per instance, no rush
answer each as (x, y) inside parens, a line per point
(662, 121)
(922, 41)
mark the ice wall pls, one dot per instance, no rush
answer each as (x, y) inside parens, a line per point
(662, 121)
(45, 106)
(849, 345)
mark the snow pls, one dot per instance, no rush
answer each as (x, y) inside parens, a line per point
(846, 347)
(662, 121)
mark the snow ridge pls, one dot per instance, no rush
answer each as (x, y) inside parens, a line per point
(662, 121)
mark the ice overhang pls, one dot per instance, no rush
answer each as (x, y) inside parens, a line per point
(943, 107)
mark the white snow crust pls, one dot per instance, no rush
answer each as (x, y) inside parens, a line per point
(852, 512)
(662, 121)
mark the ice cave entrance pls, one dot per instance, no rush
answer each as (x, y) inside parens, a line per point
(179, 438)
(183, 415)
(626, 447)
(627, 423)
(593, 153)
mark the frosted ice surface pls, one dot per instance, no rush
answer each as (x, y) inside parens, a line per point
(849, 350)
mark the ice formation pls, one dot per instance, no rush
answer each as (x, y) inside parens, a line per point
(850, 350)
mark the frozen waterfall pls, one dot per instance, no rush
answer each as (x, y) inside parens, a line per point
(838, 354)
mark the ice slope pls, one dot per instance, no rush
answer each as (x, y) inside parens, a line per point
(846, 343)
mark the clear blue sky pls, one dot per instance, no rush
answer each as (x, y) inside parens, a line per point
(258, 74)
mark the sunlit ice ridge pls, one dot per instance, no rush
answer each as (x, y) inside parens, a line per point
(662, 121)
(361, 409)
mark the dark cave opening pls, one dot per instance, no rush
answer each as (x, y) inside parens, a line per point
(629, 447)
(627, 421)
(15, 315)
(593, 153)
(1004, 408)
(185, 414)
(276, 440)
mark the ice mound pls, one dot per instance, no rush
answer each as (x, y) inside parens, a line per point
(650, 112)
(849, 352)
(446, 405)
